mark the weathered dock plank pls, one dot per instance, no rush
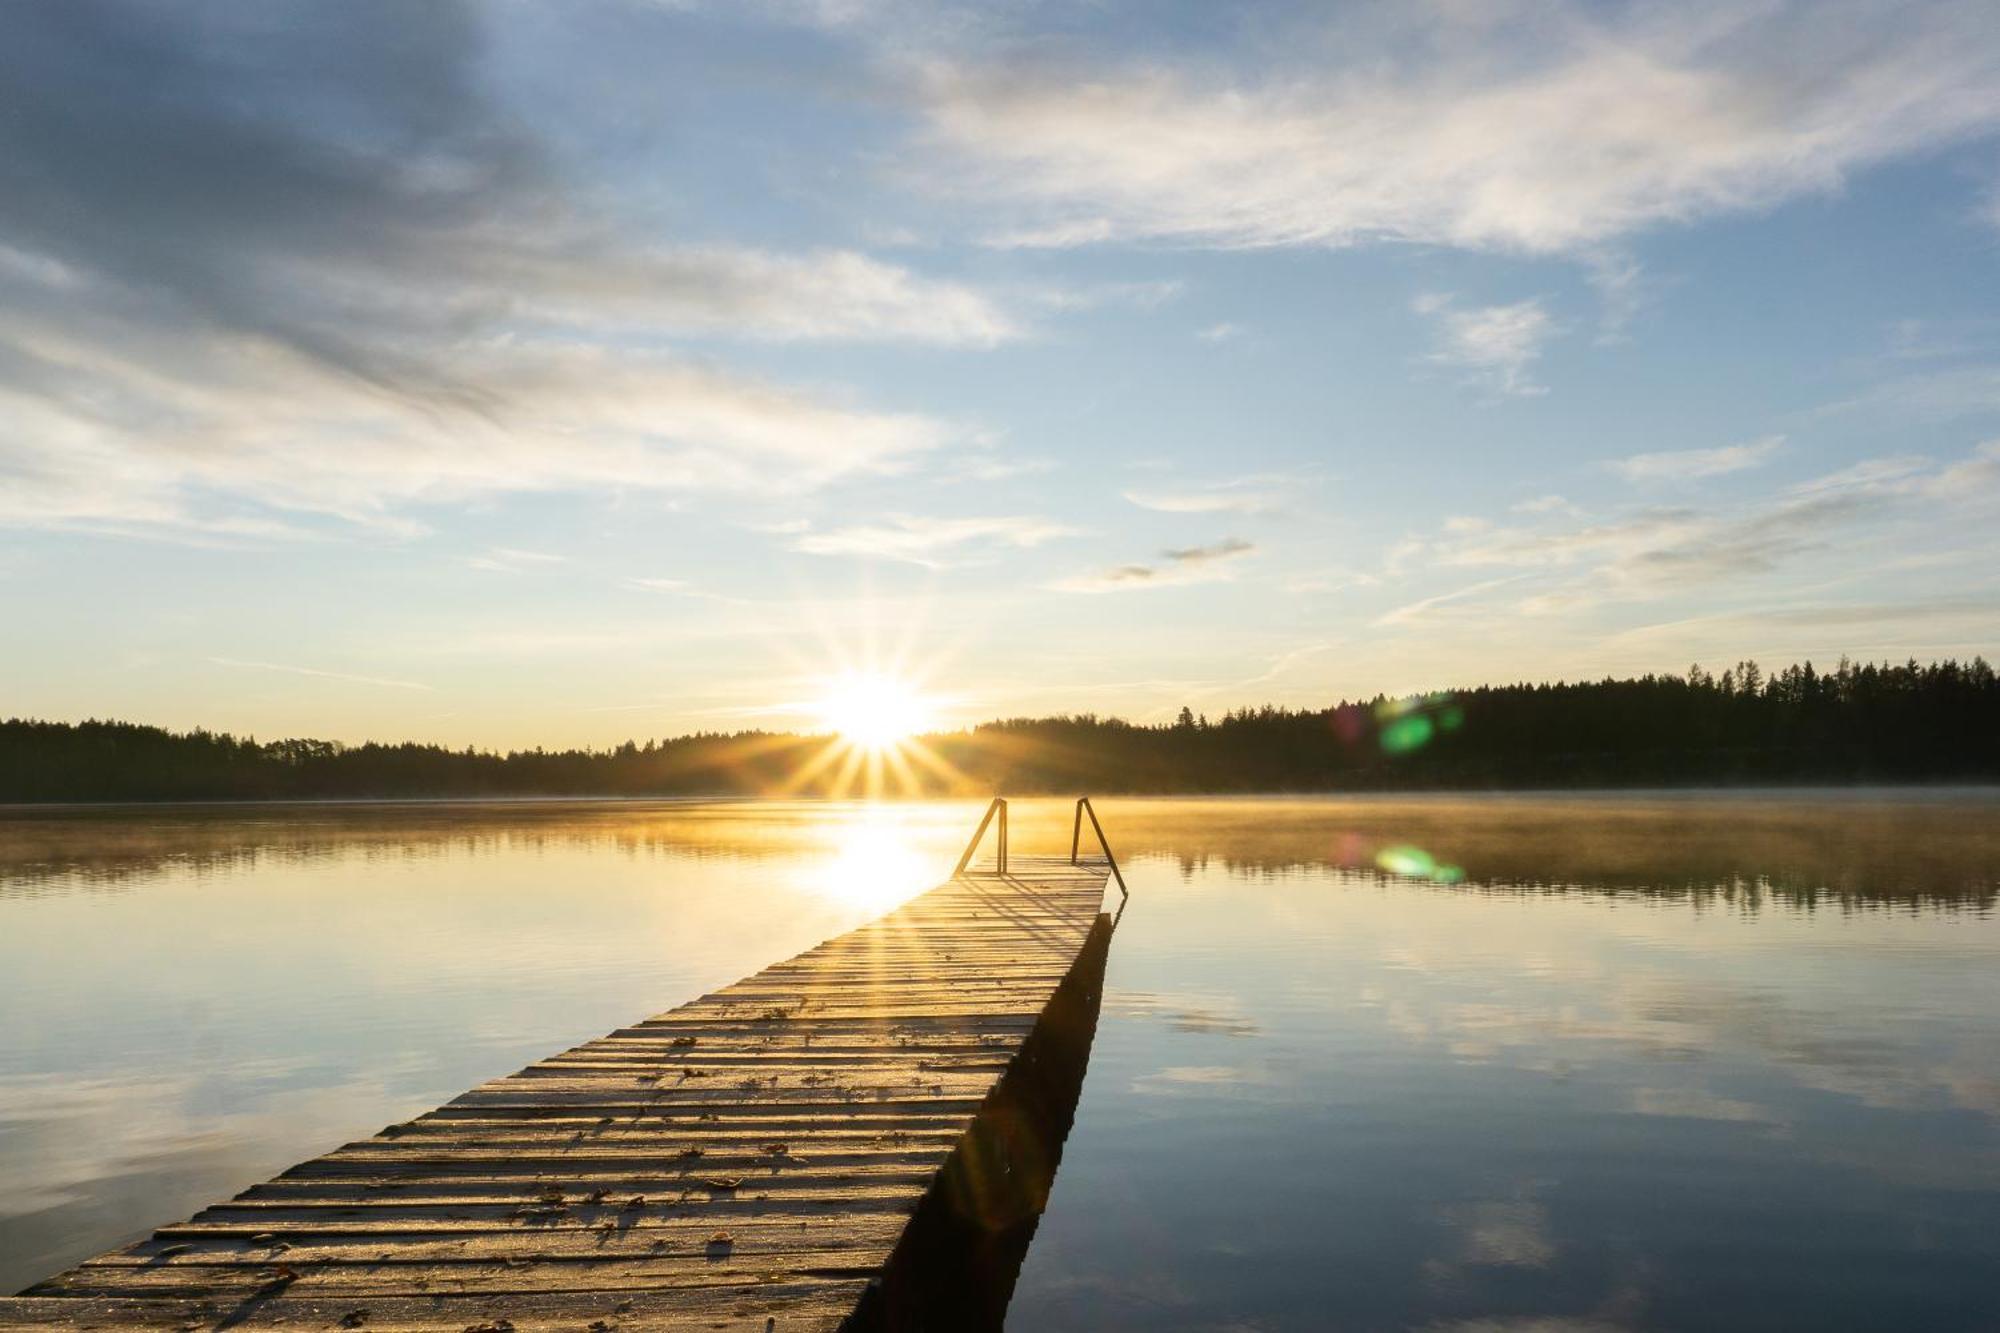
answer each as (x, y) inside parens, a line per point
(751, 1160)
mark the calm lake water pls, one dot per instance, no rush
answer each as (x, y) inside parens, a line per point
(1508, 1063)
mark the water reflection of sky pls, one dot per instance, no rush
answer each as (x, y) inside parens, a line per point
(194, 1001)
(1742, 1073)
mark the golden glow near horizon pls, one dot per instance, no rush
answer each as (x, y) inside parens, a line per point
(875, 717)
(869, 691)
(874, 712)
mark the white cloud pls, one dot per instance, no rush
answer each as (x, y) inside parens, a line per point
(828, 295)
(1181, 565)
(1497, 343)
(246, 281)
(508, 560)
(1976, 474)
(1540, 547)
(1225, 331)
(1942, 395)
(1658, 552)
(1870, 472)
(989, 467)
(1092, 296)
(1257, 494)
(1541, 128)
(343, 676)
(1222, 550)
(925, 541)
(1429, 608)
(1690, 464)
(248, 441)
(1623, 289)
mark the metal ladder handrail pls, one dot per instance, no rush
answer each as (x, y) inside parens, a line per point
(1000, 860)
(1083, 807)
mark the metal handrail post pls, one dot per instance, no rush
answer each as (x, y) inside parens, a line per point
(1083, 806)
(1000, 805)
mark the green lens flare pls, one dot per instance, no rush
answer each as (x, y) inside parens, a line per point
(1412, 861)
(1408, 733)
(1416, 863)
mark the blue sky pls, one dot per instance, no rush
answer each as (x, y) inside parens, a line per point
(518, 374)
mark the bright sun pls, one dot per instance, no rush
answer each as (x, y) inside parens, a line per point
(873, 712)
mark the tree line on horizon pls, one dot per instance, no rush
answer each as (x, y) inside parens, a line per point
(1855, 724)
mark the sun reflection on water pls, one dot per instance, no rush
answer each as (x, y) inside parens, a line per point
(876, 863)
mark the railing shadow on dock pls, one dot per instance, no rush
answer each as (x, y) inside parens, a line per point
(957, 1264)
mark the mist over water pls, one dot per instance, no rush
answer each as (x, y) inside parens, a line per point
(1691, 1060)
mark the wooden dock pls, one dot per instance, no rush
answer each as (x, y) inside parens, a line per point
(845, 1140)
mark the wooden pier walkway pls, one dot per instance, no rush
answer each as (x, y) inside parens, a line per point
(752, 1160)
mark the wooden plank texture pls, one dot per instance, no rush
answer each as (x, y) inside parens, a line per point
(750, 1160)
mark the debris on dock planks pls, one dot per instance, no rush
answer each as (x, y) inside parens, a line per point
(860, 1137)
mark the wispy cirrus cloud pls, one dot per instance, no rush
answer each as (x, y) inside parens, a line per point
(510, 560)
(344, 676)
(1256, 494)
(1544, 128)
(1427, 609)
(1793, 627)
(1148, 295)
(253, 447)
(1693, 464)
(821, 295)
(1496, 343)
(1177, 566)
(1664, 548)
(1659, 552)
(921, 540)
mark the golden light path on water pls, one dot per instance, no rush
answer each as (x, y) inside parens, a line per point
(876, 863)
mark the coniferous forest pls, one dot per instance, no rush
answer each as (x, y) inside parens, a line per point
(1854, 724)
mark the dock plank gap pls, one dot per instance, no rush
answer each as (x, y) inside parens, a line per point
(858, 1138)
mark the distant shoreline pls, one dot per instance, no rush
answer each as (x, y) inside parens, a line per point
(1869, 725)
(1855, 791)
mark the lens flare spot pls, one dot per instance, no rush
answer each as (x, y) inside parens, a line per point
(1412, 861)
(1411, 732)
(1416, 863)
